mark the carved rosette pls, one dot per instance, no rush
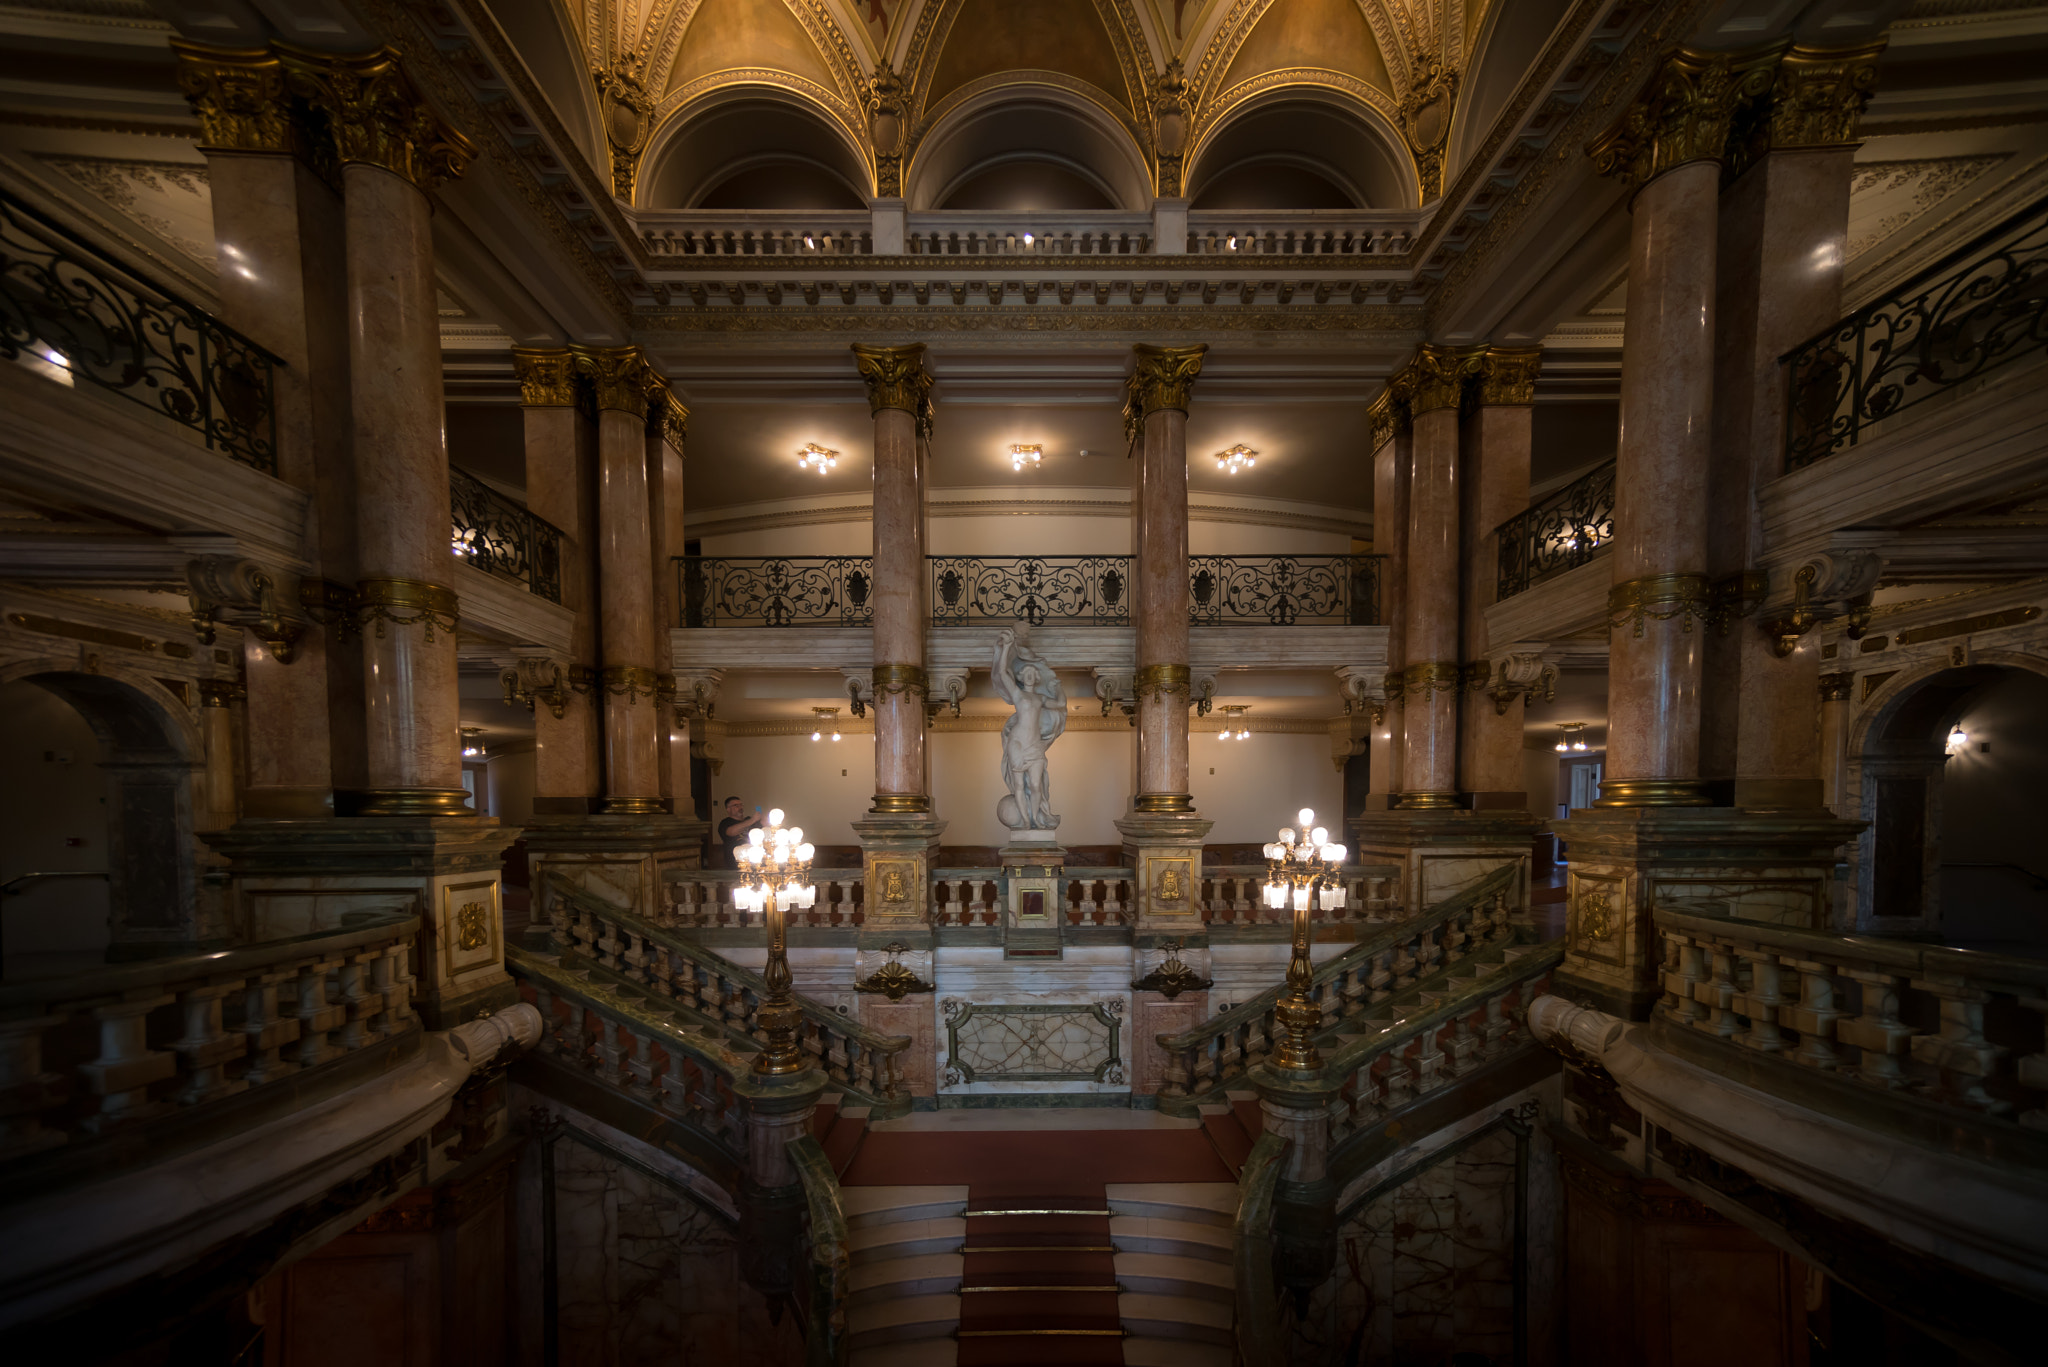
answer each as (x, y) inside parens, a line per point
(1684, 115)
(1162, 377)
(239, 95)
(618, 377)
(896, 378)
(376, 115)
(547, 376)
(1507, 376)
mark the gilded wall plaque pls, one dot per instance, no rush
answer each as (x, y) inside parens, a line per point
(1172, 886)
(469, 926)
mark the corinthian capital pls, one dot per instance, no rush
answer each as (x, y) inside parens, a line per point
(617, 375)
(1684, 114)
(1507, 376)
(896, 378)
(1389, 412)
(1819, 95)
(667, 415)
(239, 95)
(1162, 377)
(547, 376)
(1436, 377)
(376, 115)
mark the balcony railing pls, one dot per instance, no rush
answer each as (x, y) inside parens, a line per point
(1562, 532)
(1974, 311)
(496, 535)
(1079, 590)
(72, 312)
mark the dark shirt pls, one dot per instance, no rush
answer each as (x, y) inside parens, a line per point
(732, 839)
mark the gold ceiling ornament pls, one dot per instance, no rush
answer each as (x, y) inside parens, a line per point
(896, 378)
(377, 116)
(1684, 115)
(628, 118)
(547, 376)
(1171, 116)
(1507, 376)
(1426, 121)
(617, 375)
(1820, 94)
(1162, 377)
(1437, 377)
(886, 100)
(239, 95)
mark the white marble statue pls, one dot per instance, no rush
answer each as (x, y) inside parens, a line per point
(1024, 680)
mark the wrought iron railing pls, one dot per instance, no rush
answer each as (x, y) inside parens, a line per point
(1284, 590)
(1078, 590)
(66, 307)
(1089, 589)
(1560, 533)
(1977, 309)
(777, 590)
(495, 534)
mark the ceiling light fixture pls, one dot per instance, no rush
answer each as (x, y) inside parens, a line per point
(825, 719)
(1236, 458)
(1025, 457)
(472, 742)
(1234, 725)
(819, 458)
(1574, 737)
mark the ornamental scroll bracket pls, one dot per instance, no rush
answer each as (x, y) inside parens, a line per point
(1202, 685)
(697, 693)
(1525, 670)
(860, 688)
(225, 588)
(537, 679)
(946, 689)
(1825, 586)
(1113, 687)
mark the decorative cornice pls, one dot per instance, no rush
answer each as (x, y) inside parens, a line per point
(896, 378)
(376, 116)
(1162, 377)
(1507, 376)
(1684, 115)
(1820, 94)
(547, 376)
(239, 95)
(618, 377)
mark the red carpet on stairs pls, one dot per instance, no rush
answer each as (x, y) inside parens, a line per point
(1038, 1280)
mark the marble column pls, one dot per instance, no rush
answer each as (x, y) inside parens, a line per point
(667, 426)
(899, 394)
(394, 150)
(1496, 488)
(1430, 680)
(1784, 224)
(279, 236)
(621, 381)
(1393, 453)
(1836, 690)
(219, 800)
(567, 767)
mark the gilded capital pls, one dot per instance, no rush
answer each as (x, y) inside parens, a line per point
(1389, 412)
(1820, 93)
(667, 417)
(377, 116)
(1836, 687)
(1507, 376)
(617, 375)
(547, 376)
(896, 378)
(239, 95)
(1436, 377)
(1684, 114)
(1161, 377)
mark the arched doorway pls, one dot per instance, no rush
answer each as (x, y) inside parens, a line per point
(104, 763)
(1952, 773)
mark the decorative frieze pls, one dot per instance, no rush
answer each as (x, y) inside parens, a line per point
(1683, 598)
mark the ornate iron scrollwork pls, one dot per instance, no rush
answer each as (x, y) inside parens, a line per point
(1031, 588)
(1562, 532)
(496, 535)
(1282, 590)
(777, 591)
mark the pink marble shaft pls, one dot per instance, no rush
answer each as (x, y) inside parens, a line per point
(565, 765)
(1661, 470)
(1496, 489)
(1160, 594)
(1431, 602)
(625, 566)
(899, 597)
(410, 703)
(665, 502)
(1390, 540)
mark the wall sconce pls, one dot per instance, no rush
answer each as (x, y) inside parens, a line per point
(825, 719)
(1025, 457)
(1234, 727)
(1235, 459)
(817, 458)
(1574, 737)
(1958, 739)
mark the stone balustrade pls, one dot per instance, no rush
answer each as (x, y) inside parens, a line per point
(84, 1056)
(1956, 1028)
(680, 975)
(701, 899)
(1343, 232)
(1478, 1018)
(1211, 1056)
(1231, 896)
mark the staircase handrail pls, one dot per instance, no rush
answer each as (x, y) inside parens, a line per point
(821, 1017)
(1498, 881)
(1257, 1321)
(825, 1339)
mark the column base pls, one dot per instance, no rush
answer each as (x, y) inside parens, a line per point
(621, 857)
(1775, 867)
(1165, 853)
(900, 804)
(295, 877)
(1441, 851)
(1653, 792)
(1163, 804)
(403, 802)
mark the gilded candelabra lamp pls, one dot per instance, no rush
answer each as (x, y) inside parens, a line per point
(1302, 871)
(775, 875)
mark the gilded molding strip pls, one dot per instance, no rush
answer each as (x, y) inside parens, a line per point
(632, 682)
(407, 602)
(1660, 598)
(1161, 683)
(900, 679)
(1441, 676)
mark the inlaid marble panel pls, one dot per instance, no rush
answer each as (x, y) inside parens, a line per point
(1035, 1043)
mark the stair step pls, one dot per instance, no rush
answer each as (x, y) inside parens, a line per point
(929, 1274)
(1204, 1203)
(1181, 1238)
(1141, 1350)
(841, 1146)
(901, 1318)
(1200, 1318)
(1232, 1144)
(922, 1353)
(867, 1207)
(1166, 1275)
